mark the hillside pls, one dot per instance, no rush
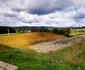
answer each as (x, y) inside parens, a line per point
(24, 40)
(75, 53)
(57, 44)
(71, 57)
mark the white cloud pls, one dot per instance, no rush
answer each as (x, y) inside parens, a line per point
(56, 13)
(78, 3)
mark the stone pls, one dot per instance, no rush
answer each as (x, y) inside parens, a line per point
(7, 66)
(45, 47)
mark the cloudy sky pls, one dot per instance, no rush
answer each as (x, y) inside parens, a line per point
(52, 13)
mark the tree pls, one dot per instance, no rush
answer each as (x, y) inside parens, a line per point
(55, 30)
(46, 30)
(62, 31)
(34, 30)
(6, 30)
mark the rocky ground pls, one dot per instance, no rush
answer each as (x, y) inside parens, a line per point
(6, 66)
(54, 45)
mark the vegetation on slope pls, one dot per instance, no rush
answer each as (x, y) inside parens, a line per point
(68, 58)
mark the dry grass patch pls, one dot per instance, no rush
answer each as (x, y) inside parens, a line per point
(24, 40)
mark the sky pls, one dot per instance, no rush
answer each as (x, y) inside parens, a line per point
(50, 13)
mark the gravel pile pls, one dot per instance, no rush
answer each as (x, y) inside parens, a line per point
(54, 45)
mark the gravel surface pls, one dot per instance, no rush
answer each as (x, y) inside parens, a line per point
(54, 45)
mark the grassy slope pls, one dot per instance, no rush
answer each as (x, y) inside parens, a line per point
(24, 40)
(76, 33)
(68, 58)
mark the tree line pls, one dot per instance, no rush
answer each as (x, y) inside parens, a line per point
(6, 30)
(62, 31)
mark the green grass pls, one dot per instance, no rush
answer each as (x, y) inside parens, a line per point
(76, 33)
(69, 58)
(30, 60)
(11, 34)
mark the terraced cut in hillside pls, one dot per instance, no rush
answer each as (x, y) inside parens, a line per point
(54, 45)
(23, 41)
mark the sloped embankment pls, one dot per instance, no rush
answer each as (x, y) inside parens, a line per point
(54, 45)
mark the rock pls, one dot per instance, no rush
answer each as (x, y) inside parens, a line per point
(45, 47)
(6, 66)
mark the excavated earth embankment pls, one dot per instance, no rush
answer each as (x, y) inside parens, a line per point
(57, 44)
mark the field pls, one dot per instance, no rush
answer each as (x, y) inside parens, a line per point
(23, 41)
(76, 33)
(14, 49)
